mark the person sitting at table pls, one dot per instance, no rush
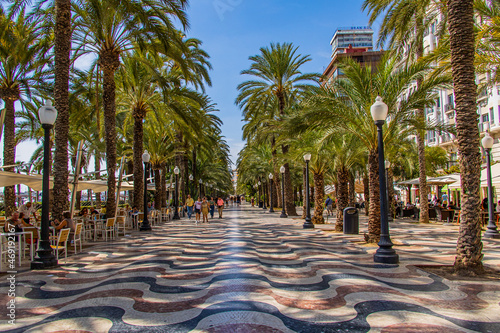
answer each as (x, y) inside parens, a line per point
(84, 212)
(484, 204)
(132, 215)
(452, 205)
(93, 211)
(14, 224)
(67, 222)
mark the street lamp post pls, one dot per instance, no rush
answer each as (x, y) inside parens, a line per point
(491, 231)
(271, 209)
(191, 184)
(200, 182)
(45, 256)
(282, 170)
(385, 253)
(308, 223)
(260, 191)
(264, 193)
(145, 226)
(389, 212)
(176, 203)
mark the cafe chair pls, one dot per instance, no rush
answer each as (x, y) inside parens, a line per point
(456, 217)
(31, 245)
(121, 224)
(109, 228)
(62, 241)
(78, 236)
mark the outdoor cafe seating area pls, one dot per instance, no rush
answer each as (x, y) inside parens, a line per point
(88, 229)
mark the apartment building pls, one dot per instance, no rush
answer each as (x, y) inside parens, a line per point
(488, 108)
(352, 42)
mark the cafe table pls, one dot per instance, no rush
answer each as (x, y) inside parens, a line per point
(4, 245)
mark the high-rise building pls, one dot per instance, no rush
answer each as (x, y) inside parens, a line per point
(355, 43)
(352, 39)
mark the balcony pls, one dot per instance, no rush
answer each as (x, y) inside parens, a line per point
(483, 127)
(482, 94)
(449, 107)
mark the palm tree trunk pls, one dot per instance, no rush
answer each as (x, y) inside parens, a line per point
(289, 203)
(9, 151)
(163, 185)
(137, 158)
(424, 203)
(319, 185)
(366, 192)
(62, 48)
(374, 212)
(277, 176)
(342, 196)
(352, 190)
(185, 172)
(78, 200)
(109, 63)
(158, 191)
(461, 26)
(390, 190)
(97, 166)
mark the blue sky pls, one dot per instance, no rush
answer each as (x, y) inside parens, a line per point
(233, 30)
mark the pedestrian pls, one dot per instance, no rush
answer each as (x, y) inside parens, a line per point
(204, 209)
(197, 209)
(189, 205)
(212, 207)
(28, 209)
(220, 206)
(329, 205)
(253, 201)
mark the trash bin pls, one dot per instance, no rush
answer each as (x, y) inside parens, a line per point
(351, 221)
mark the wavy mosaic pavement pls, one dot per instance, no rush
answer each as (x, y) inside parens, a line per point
(253, 272)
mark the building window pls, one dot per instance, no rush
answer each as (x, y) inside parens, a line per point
(492, 116)
(438, 102)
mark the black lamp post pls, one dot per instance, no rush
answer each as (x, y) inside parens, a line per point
(264, 193)
(176, 201)
(145, 226)
(45, 257)
(308, 224)
(282, 170)
(271, 209)
(491, 231)
(260, 192)
(389, 212)
(191, 186)
(385, 253)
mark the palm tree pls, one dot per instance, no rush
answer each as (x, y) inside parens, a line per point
(280, 81)
(462, 45)
(345, 105)
(405, 23)
(23, 58)
(139, 94)
(109, 28)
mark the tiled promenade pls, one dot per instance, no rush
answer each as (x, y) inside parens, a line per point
(253, 272)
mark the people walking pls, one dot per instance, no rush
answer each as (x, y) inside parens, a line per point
(220, 206)
(189, 205)
(212, 207)
(197, 210)
(204, 209)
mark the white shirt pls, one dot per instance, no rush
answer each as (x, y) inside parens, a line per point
(27, 211)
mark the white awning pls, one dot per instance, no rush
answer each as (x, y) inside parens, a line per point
(8, 178)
